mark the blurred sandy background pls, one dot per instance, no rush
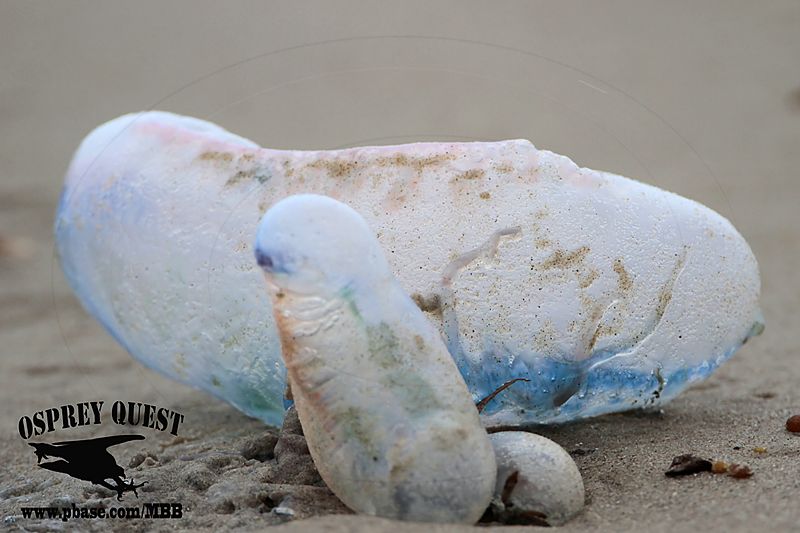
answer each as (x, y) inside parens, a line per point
(702, 98)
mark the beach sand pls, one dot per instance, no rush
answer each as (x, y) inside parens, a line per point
(701, 99)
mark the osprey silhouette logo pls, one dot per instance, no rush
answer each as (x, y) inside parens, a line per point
(89, 460)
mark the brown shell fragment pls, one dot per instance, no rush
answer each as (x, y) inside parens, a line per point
(719, 467)
(739, 471)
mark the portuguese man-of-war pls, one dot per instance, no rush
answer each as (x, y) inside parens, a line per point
(604, 294)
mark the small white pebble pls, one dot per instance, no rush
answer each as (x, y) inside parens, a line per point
(548, 480)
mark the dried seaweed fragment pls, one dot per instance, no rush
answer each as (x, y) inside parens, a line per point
(687, 464)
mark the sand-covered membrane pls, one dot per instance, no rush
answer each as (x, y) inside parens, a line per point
(603, 292)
